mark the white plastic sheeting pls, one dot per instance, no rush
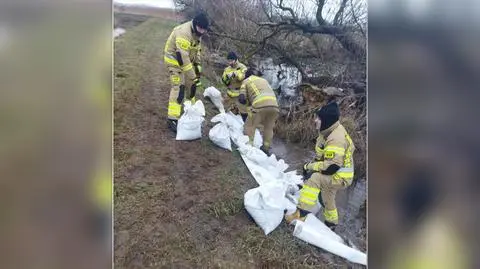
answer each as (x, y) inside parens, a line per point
(190, 123)
(278, 191)
(318, 234)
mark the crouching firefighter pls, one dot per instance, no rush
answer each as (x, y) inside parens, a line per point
(331, 170)
(182, 57)
(262, 107)
(232, 77)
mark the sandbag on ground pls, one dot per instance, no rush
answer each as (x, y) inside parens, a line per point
(190, 123)
(216, 97)
(220, 134)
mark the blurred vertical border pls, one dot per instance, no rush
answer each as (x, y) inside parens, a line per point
(56, 134)
(423, 93)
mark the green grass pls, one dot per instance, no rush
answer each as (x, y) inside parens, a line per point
(226, 208)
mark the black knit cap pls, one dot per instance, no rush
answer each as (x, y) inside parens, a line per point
(201, 20)
(328, 114)
(232, 56)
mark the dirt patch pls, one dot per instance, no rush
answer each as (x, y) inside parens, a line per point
(180, 204)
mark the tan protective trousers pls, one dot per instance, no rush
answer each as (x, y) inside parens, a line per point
(266, 116)
(327, 186)
(181, 90)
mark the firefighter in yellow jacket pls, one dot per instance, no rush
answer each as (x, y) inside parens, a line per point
(332, 168)
(257, 94)
(182, 57)
(232, 77)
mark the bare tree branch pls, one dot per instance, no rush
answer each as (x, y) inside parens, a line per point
(284, 8)
(321, 4)
(339, 12)
(355, 19)
(268, 13)
(339, 32)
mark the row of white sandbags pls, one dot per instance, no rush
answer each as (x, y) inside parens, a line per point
(276, 193)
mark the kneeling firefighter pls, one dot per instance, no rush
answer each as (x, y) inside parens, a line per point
(262, 107)
(331, 170)
(182, 57)
(232, 77)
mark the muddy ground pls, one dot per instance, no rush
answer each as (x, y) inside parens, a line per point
(180, 204)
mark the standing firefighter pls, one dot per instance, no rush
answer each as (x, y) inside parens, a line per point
(182, 57)
(232, 77)
(257, 94)
(332, 168)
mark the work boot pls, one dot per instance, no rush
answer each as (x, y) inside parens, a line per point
(295, 216)
(330, 225)
(172, 125)
(265, 150)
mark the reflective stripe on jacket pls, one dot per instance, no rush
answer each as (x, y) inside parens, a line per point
(258, 92)
(334, 146)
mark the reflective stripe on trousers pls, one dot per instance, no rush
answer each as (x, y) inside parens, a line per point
(331, 215)
(309, 195)
(171, 60)
(174, 110)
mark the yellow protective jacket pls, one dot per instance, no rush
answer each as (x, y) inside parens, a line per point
(234, 83)
(258, 92)
(334, 146)
(183, 50)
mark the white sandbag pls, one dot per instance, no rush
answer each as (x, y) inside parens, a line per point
(312, 234)
(266, 205)
(220, 134)
(190, 123)
(281, 165)
(216, 97)
(258, 157)
(260, 174)
(290, 206)
(292, 178)
(236, 127)
(257, 139)
(234, 121)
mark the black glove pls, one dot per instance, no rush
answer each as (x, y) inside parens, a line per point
(332, 169)
(304, 171)
(241, 99)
